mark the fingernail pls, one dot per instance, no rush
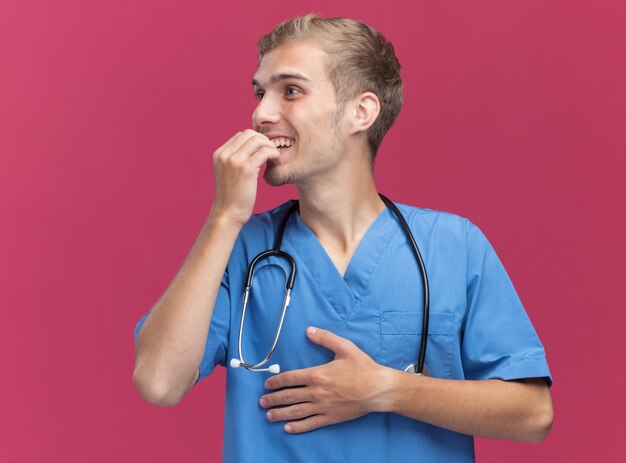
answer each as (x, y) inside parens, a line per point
(269, 415)
(263, 403)
(288, 427)
(267, 384)
(311, 330)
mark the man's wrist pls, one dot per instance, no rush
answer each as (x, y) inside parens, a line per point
(223, 220)
(386, 382)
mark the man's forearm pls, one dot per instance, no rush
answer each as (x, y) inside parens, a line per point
(172, 340)
(519, 410)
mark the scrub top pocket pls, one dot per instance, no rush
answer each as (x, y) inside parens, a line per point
(400, 336)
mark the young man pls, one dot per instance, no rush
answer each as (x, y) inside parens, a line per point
(328, 90)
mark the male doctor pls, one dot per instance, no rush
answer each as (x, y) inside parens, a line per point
(328, 89)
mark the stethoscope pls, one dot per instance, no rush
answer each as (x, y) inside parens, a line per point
(414, 368)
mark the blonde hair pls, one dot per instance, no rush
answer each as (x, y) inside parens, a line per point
(360, 60)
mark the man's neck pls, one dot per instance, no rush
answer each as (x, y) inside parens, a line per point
(341, 206)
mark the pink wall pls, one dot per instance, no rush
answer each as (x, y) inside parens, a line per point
(109, 111)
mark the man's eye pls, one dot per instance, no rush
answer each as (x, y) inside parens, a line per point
(259, 94)
(292, 91)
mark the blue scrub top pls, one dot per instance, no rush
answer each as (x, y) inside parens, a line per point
(478, 330)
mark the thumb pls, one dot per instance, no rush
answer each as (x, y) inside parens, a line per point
(329, 340)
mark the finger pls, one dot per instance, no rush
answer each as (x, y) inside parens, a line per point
(308, 424)
(262, 155)
(293, 412)
(236, 142)
(245, 136)
(329, 340)
(230, 141)
(287, 396)
(241, 152)
(262, 147)
(290, 379)
(250, 146)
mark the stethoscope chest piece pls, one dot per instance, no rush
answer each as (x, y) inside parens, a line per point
(413, 368)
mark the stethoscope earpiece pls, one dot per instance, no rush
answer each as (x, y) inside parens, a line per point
(236, 363)
(274, 368)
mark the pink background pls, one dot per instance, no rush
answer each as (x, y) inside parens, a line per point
(514, 117)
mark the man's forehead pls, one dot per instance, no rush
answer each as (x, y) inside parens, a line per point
(303, 61)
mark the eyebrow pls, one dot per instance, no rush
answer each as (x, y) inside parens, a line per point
(283, 76)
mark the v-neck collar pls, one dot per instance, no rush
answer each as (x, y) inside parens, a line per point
(344, 294)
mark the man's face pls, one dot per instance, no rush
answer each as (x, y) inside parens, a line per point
(297, 110)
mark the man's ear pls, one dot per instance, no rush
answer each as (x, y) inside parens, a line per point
(366, 110)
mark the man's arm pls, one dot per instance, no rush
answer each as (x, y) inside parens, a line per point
(353, 385)
(172, 339)
(517, 410)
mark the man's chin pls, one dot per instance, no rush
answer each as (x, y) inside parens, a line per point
(273, 178)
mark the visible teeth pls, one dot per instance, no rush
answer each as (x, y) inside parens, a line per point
(278, 142)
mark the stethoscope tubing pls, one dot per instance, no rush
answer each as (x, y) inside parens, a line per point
(276, 251)
(426, 297)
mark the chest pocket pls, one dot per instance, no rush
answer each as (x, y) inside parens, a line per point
(401, 334)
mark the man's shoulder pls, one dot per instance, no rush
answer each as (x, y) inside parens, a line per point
(435, 220)
(271, 217)
(447, 227)
(265, 223)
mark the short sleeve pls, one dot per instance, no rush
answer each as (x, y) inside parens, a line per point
(217, 339)
(498, 340)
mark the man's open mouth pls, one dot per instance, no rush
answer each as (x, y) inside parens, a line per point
(283, 143)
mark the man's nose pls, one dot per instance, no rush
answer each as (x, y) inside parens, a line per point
(266, 112)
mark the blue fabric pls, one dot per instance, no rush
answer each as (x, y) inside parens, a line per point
(478, 330)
